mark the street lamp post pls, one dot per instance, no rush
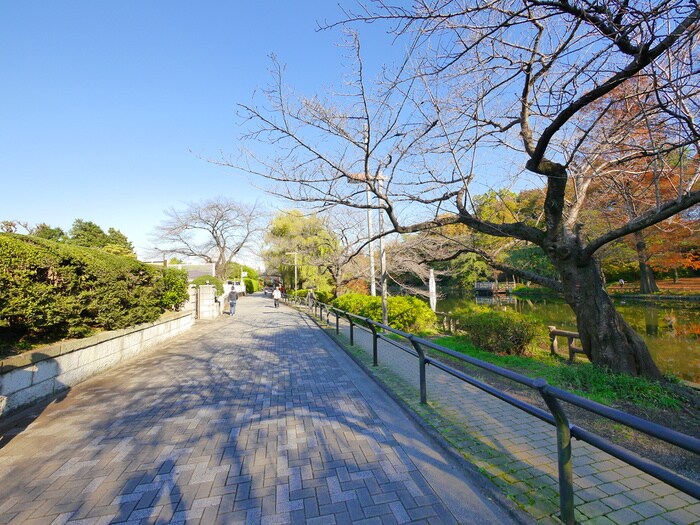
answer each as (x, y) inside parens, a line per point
(382, 256)
(365, 178)
(295, 268)
(370, 232)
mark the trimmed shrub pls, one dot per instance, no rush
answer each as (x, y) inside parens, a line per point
(408, 314)
(325, 297)
(173, 284)
(251, 285)
(208, 279)
(500, 332)
(50, 291)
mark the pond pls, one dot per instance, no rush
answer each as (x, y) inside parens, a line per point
(671, 329)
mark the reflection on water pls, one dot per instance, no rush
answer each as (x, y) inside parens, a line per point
(670, 328)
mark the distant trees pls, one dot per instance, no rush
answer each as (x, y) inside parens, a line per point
(213, 230)
(90, 235)
(326, 250)
(82, 233)
(44, 231)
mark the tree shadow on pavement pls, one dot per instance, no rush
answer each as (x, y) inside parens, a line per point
(229, 423)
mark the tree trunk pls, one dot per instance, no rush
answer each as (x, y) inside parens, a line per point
(606, 337)
(647, 282)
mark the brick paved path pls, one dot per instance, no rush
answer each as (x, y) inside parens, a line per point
(255, 419)
(518, 452)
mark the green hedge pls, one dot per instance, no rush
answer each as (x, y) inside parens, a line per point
(251, 285)
(324, 297)
(500, 332)
(50, 291)
(408, 314)
(208, 279)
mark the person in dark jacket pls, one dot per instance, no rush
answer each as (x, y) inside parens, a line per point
(232, 299)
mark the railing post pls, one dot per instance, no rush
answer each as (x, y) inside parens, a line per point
(421, 370)
(337, 322)
(375, 337)
(352, 331)
(566, 473)
(553, 345)
(572, 353)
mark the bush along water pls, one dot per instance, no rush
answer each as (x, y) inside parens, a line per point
(50, 291)
(408, 314)
(324, 296)
(500, 332)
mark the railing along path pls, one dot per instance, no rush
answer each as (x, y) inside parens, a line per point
(550, 394)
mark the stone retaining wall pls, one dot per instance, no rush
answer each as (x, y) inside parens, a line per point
(45, 372)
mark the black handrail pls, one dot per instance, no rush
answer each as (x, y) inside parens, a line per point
(557, 417)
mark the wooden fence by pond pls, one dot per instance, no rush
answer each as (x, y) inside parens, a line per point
(570, 337)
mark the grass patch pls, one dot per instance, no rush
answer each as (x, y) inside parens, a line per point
(535, 292)
(584, 379)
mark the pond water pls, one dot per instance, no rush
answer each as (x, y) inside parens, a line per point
(671, 329)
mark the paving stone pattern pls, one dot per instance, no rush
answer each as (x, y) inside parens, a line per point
(518, 452)
(244, 420)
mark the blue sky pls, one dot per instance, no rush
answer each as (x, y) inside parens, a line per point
(106, 105)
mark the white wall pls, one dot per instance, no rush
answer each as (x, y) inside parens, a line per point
(29, 377)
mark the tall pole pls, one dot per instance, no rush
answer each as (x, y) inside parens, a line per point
(370, 232)
(295, 267)
(382, 256)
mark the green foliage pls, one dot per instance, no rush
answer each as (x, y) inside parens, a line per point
(466, 269)
(50, 290)
(174, 284)
(584, 379)
(532, 259)
(44, 231)
(325, 297)
(535, 292)
(307, 236)
(89, 235)
(608, 386)
(251, 285)
(234, 271)
(501, 332)
(209, 279)
(408, 314)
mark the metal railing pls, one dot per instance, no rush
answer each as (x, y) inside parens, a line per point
(551, 396)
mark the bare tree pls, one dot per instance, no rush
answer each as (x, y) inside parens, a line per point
(495, 87)
(214, 230)
(339, 254)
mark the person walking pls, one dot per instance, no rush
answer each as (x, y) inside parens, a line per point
(276, 296)
(232, 300)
